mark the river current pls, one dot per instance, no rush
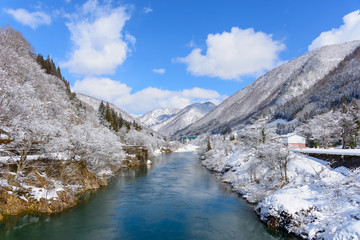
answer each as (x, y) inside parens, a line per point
(176, 198)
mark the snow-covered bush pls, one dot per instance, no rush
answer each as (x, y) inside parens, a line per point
(294, 192)
(256, 161)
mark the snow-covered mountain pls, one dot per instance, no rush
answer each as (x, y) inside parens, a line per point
(267, 95)
(158, 116)
(184, 118)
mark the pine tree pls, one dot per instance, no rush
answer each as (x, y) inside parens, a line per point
(40, 60)
(208, 144)
(101, 112)
(115, 120)
(58, 73)
(108, 115)
(121, 122)
(47, 65)
(128, 125)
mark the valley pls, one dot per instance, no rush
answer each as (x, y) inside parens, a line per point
(57, 146)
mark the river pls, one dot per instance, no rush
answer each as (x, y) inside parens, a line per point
(176, 198)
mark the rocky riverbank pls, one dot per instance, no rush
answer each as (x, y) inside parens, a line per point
(46, 186)
(51, 186)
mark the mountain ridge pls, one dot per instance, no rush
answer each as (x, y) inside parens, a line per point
(183, 118)
(158, 116)
(274, 89)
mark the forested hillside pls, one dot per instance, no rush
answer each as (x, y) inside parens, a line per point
(52, 147)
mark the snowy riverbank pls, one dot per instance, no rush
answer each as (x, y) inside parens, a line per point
(316, 202)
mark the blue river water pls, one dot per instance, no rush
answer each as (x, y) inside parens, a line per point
(176, 198)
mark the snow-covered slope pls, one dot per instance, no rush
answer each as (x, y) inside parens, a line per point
(271, 91)
(52, 145)
(184, 118)
(158, 116)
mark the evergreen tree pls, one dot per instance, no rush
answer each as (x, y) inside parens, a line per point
(101, 112)
(58, 73)
(40, 60)
(128, 125)
(115, 120)
(208, 144)
(108, 115)
(121, 122)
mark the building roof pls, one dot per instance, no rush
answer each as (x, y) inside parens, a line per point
(291, 134)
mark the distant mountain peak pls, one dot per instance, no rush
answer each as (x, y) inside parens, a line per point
(169, 121)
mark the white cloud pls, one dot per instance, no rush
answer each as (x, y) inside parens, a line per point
(242, 52)
(146, 99)
(99, 45)
(32, 19)
(103, 88)
(147, 10)
(349, 31)
(159, 70)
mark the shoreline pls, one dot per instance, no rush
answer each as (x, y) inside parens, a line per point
(51, 186)
(252, 204)
(309, 206)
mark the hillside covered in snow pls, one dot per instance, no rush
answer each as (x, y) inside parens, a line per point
(299, 87)
(52, 146)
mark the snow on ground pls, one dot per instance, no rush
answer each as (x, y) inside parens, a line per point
(281, 121)
(317, 202)
(187, 148)
(105, 172)
(352, 152)
(321, 202)
(157, 152)
(36, 192)
(53, 156)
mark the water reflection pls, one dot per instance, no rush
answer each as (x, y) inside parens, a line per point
(174, 199)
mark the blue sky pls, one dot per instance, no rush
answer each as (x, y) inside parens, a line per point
(143, 55)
